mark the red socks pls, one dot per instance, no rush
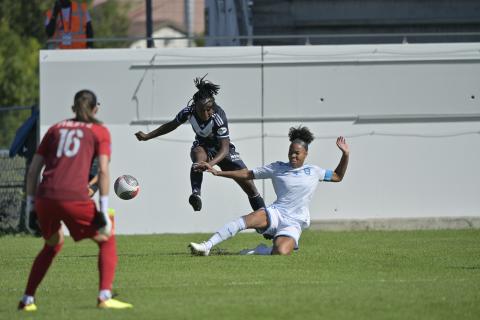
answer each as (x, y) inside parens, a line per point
(107, 261)
(40, 267)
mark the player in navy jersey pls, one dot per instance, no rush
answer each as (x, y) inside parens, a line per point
(212, 143)
(294, 183)
(66, 153)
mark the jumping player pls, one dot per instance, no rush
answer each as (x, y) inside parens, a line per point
(294, 183)
(212, 143)
(66, 152)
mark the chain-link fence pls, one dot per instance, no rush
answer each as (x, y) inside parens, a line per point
(12, 193)
(18, 143)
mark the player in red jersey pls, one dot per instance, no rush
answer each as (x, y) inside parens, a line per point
(66, 152)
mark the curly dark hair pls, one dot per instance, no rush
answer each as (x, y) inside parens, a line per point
(299, 135)
(206, 90)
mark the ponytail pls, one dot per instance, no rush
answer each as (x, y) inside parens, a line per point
(206, 91)
(84, 103)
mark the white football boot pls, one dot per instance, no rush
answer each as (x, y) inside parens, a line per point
(199, 249)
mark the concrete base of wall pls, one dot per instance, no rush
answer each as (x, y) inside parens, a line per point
(398, 224)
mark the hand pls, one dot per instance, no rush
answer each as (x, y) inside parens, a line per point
(201, 166)
(342, 145)
(205, 166)
(31, 219)
(103, 223)
(141, 136)
(32, 224)
(92, 189)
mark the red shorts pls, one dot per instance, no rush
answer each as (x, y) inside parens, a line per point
(76, 215)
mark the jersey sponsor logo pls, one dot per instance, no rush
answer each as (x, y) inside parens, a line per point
(221, 131)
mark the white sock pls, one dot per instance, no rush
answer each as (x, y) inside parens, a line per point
(226, 232)
(105, 295)
(263, 250)
(26, 299)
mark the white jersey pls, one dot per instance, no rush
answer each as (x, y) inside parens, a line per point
(294, 187)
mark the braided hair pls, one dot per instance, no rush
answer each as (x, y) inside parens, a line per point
(206, 91)
(300, 135)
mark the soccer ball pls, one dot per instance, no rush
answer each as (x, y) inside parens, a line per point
(126, 187)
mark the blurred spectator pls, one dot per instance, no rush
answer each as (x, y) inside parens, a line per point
(69, 24)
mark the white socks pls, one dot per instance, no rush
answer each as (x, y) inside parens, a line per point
(105, 295)
(26, 299)
(226, 232)
(231, 229)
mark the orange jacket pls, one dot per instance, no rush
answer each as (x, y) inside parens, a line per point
(67, 32)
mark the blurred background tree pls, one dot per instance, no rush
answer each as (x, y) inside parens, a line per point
(110, 20)
(21, 32)
(23, 35)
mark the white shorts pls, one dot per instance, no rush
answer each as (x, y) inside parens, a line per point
(280, 225)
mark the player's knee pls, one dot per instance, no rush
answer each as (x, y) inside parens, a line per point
(99, 238)
(283, 246)
(56, 239)
(283, 250)
(198, 154)
(54, 249)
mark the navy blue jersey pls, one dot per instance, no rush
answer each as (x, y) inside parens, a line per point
(206, 132)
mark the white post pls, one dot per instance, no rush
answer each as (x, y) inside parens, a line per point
(189, 19)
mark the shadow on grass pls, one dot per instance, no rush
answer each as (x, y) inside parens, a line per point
(214, 252)
(465, 267)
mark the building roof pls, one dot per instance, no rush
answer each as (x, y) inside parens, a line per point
(164, 12)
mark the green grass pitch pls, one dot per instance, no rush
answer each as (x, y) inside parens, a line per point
(335, 275)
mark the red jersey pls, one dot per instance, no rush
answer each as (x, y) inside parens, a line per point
(69, 148)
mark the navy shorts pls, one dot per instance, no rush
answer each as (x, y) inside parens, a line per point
(232, 160)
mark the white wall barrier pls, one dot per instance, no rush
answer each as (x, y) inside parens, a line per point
(410, 112)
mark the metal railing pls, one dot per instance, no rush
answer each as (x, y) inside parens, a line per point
(305, 39)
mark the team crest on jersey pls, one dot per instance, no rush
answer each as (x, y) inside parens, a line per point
(307, 171)
(221, 131)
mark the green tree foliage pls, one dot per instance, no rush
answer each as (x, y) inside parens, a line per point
(25, 17)
(22, 35)
(21, 38)
(18, 74)
(110, 20)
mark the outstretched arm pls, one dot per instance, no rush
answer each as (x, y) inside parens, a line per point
(224, 147)
(243, 174)
(160, 131)
(342, 166)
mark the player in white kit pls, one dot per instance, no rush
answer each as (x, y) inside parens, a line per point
(294, 183)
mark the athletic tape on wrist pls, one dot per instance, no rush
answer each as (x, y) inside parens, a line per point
(103, 204)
